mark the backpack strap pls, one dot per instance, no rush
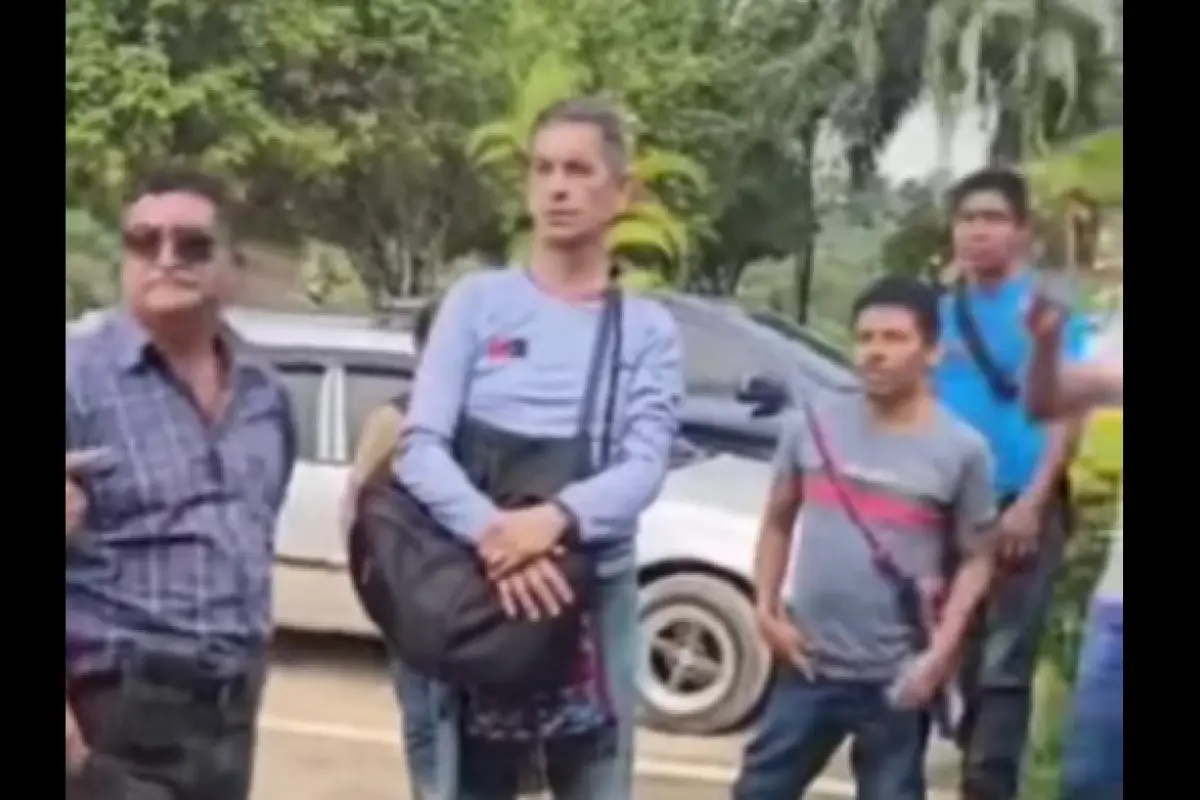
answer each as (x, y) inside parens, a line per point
(607, 341)
(908, 593)
(1003, 386)
(880, 555)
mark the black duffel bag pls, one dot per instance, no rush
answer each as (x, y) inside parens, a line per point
(426, 589)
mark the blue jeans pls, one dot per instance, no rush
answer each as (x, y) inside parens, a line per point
(604, 772)
(805, 722)
(414, 692)
(1094, 748)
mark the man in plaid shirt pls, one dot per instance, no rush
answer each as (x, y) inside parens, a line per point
(193, 443)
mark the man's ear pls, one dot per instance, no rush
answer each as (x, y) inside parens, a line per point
(935, 355)
(630, 192)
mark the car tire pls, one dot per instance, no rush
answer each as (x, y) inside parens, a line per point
(685, 602)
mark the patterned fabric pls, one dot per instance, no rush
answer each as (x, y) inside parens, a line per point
(178, 543)
(581, 707)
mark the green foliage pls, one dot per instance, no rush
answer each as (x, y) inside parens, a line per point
(648, 233)
(1043, 64)
(917, 245)
(342, 122)
(93, 261)
(642, 280)
(1094, 166)
(351, 124)
(329, 279)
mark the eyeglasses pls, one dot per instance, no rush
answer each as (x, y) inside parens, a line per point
(192, 247)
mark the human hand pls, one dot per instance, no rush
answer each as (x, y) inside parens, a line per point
(77, 749)
(785, 640)
(517, 537)
(1018, 529)
(921, 681)
(1044, 319)
(537, 590)
(78, 461)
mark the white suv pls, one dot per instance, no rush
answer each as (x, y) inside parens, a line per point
(702, 668)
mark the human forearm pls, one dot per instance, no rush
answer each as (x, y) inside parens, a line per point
(967, 591)
(1084, 387)
(1062, 439)
(608, 503)
(770, 565)
(1042, 377)
(1055, 390)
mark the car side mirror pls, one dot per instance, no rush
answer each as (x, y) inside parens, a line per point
(766, 396)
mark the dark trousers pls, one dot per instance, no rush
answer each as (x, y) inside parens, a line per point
(998, 667)
(161, 731)
(805, 721)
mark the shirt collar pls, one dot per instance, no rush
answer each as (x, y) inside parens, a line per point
(132, 345)
(1015, 285)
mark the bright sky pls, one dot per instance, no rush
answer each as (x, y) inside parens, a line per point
(912, 153)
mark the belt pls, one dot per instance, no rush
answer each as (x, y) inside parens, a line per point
(177, 675)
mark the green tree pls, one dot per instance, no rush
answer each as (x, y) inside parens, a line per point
(1093, 165)
(796, 88)
(93, 262)
(342, 122)
(1046, 66)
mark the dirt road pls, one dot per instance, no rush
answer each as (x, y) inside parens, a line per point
(329, 731)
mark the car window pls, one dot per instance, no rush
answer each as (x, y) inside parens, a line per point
(803, 336)
(714, 362)
(303, 383)
(367, 388)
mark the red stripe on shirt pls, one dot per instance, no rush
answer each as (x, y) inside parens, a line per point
(871, 506)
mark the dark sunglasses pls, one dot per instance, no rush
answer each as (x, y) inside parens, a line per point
(191, 246)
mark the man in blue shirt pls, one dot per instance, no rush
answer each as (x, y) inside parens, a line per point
(985, 351)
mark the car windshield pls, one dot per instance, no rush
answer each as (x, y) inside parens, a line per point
(796, 333)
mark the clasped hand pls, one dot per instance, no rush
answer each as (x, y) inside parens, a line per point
(517, 551)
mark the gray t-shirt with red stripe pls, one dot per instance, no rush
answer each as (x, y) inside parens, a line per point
(927, 495)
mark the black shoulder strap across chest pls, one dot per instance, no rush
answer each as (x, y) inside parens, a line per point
(607, 349)
(1003, 386)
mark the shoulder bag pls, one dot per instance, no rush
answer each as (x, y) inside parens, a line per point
(908, 593)
(425, 588)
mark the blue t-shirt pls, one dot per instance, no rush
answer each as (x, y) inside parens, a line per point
(1016, 440)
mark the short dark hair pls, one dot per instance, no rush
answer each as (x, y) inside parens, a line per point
(1010, 185)
(896, 291)
(601, 115)
(423, 323)
(181, 178)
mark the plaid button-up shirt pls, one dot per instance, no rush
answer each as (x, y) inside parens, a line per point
(176, 552)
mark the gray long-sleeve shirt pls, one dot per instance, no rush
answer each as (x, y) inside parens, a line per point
(509, 354)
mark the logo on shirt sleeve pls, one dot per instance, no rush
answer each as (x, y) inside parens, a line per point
(500, 348)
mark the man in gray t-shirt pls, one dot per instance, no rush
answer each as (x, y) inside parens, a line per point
(921, 482)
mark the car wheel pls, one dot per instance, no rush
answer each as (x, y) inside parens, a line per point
(702, 668)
